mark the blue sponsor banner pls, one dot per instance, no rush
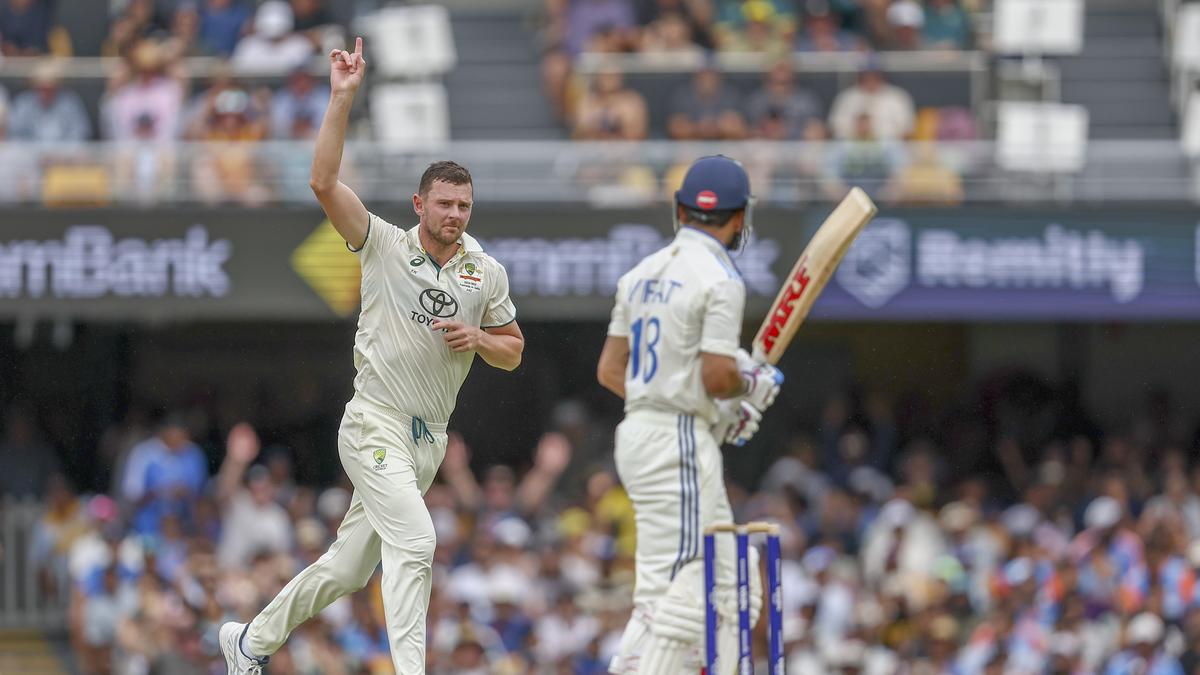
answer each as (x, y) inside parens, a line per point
(972, 264)
(997, 264)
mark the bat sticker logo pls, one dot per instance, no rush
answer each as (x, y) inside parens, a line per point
(780, 313)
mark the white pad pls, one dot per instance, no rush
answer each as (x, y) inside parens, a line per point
(633, 643)
(679, 615)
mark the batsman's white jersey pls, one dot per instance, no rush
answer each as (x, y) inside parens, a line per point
(677, 303)
(393, 435)
(684, 299)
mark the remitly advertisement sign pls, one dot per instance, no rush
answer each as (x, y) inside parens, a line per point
(1019, 266)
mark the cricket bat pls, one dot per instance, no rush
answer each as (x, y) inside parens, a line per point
(810, 274)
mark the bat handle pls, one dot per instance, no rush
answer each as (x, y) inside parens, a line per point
(758, 354)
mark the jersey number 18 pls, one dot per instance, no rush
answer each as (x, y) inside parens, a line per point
(653, 332)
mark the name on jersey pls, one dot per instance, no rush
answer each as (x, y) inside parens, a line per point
(653, 291)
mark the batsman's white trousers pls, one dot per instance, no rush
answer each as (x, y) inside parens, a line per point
(673, 471)
(391, 459)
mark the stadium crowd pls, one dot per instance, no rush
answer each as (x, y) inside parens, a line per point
(264, 88)
(1010, 535)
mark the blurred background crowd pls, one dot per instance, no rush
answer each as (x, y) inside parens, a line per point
(985, 522)
(1013, 535)
(227, 75)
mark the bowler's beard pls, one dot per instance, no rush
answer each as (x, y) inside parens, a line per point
(438, 234)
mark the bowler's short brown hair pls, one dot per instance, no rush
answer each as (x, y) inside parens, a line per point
(445, 171)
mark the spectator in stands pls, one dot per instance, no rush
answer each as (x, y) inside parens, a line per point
(47, 112)
(781, 110)
(183, 40)
(18, 180)
(146, 93)
(706, 109)
(1144, 651)
(26, 462)
(163, 476)
(947, 25)
(697, 15)
(311, 18)
(669, 39)
(822, 32)
(761, 26)
(25, 27)
(139, 20)
(890, 108)
(867, 161)
(582, 19)
(272, 47)
(297, 109)
(228, 171)
(144, 169)
(610, 111)
(222, 23)
(905, 19)
(926, 180)
(253, 522)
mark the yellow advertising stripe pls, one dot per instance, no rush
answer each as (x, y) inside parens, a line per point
(326, 265)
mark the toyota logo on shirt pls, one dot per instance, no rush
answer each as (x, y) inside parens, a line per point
(439, 303)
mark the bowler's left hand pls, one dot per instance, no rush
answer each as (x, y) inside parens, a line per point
(459, 336)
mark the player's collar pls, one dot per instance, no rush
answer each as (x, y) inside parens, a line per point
(466, 243)
(705, 239)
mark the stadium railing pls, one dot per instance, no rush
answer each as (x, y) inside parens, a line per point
(596, 173)
(25, 599)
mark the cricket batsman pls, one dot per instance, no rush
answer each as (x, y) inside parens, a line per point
(431, 300)
(672, 354)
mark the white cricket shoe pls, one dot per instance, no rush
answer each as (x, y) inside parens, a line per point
(236, 662)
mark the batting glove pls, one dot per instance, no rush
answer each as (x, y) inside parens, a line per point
(761, 381)
(737, 422)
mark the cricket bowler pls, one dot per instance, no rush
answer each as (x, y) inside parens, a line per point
(672, 353)
(431, 300)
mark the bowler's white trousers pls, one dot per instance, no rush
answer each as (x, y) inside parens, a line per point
(391, 459)
(673, 471)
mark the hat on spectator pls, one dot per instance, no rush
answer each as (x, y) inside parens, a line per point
(231, 102)
(310, 533)
(507, 585)
(944, 628)
(1104, 512)
(1018, 571)
(274, 19)
(333, 503)
(870, 483)
(818, 559)
(1145, 628)
(957, 516)
(258, 472)
(906, 13)
(805, 593)
(897, 513)
(1020, 519)
(758, 10)
(512, 532)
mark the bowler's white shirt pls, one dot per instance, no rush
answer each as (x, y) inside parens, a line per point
(402, 363)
